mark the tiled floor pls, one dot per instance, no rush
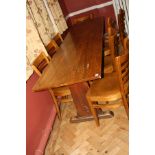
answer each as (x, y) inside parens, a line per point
(111, 138)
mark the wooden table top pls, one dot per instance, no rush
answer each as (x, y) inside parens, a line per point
(78, 59)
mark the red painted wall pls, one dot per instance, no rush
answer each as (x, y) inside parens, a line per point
(76, 5)
(63, 7)
(40, 112)
(68, 6)
(108, 11)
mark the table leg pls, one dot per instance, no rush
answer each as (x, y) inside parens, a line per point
(78, 92)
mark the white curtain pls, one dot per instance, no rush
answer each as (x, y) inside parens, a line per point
(44, 19)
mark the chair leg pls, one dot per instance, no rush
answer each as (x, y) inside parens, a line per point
(56, 104)
(93, 112)
(58, 109)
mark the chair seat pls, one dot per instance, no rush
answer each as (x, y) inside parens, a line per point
(61, 91)
(106, 89)
(106, 51)
(106, 48)
(108, 66)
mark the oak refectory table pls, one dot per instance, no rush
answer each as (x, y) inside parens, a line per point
(77, 61)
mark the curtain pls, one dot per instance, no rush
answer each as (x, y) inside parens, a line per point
(57, 15)
(34, 44)
(44, 19)
(41, 20)
(47, 17)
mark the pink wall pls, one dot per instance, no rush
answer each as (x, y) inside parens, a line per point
(40, 114)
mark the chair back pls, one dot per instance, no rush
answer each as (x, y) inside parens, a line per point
(121, 24)
(122, 67)
(40, 63)
(111, 26)
(114, 48)
(126, 45)
(58, 39)
(51, 48)
(81, 19)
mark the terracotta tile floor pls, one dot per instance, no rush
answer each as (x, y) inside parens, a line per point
(111, 138)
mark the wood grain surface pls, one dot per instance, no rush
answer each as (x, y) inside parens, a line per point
(78, 59)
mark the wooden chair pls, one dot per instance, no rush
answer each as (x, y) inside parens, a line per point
(111, 23)
(111, 44)
(126, 44)
(109, 65)
(81, 19)
(122, 68)
(60, 94)
(51, 48)
(112, 87)
(40, 63)
(111, 30)
(125, 47)
(58, 39)
(108, 60)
